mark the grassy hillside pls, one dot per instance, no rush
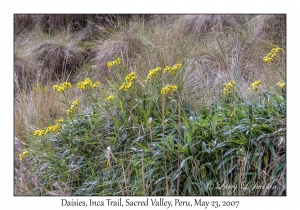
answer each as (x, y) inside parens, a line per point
(150, 104)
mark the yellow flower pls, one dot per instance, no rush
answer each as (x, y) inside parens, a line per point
(74, 103)
(167, 89)
(255, 85)
(61, 88)
(126, 86)
(87, 84)
(167, 68)
(174, 88)
(59, 121)
(118, 61)
(281, 84)
(249, 89)
(39, 133)
(173, 69)
(72, 109)
(131, 77)
(109, 98)
(53, 128)
(228, 87)
(96, 84)
(152, 72)
(129, 81)
(272, 54)
(115, 62)
(22, 154)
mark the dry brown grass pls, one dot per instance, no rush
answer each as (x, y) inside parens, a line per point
(228, 48)
(36, 109)
(59, 60)
(25, 180)
(214, 23)
(53, 23)
(24, 74)
(24, 23)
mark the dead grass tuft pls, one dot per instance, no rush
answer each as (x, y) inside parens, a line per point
(53, 23)
(209, 23)
(271, 27)
(59, 60)
(24, 23)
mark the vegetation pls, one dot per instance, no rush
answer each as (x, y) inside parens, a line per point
(150, 105)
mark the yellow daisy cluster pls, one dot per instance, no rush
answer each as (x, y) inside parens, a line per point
(152, 72)
(131, 77)
(228, 88)
(115, 62)
(173, 69)
(39, 133)
(272, 54)
(109, 98)
(167, 89)
(61, 88)
(21, 155)
(129, 81)
(281, 84)
(53, 128)
(87, 84)
(72, 109)
(255, 85)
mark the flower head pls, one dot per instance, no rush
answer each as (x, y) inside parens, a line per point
(126, 86)
(115, 62)
(87, 84)
(228, 87)
(61, 88)
(109, 98)
(59, 121)
(129, 81)
(73, 107)
(131, 77)
(271, 55)
(96, 84)
(255, 85)
(22, 154)
(173, 69)
(281, 84)
(152, 72)
(39, 133)
(53, 128)
(168, 88)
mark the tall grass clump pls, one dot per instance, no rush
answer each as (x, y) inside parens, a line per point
(168, 105)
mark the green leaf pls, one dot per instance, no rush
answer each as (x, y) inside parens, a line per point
(214, 122)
